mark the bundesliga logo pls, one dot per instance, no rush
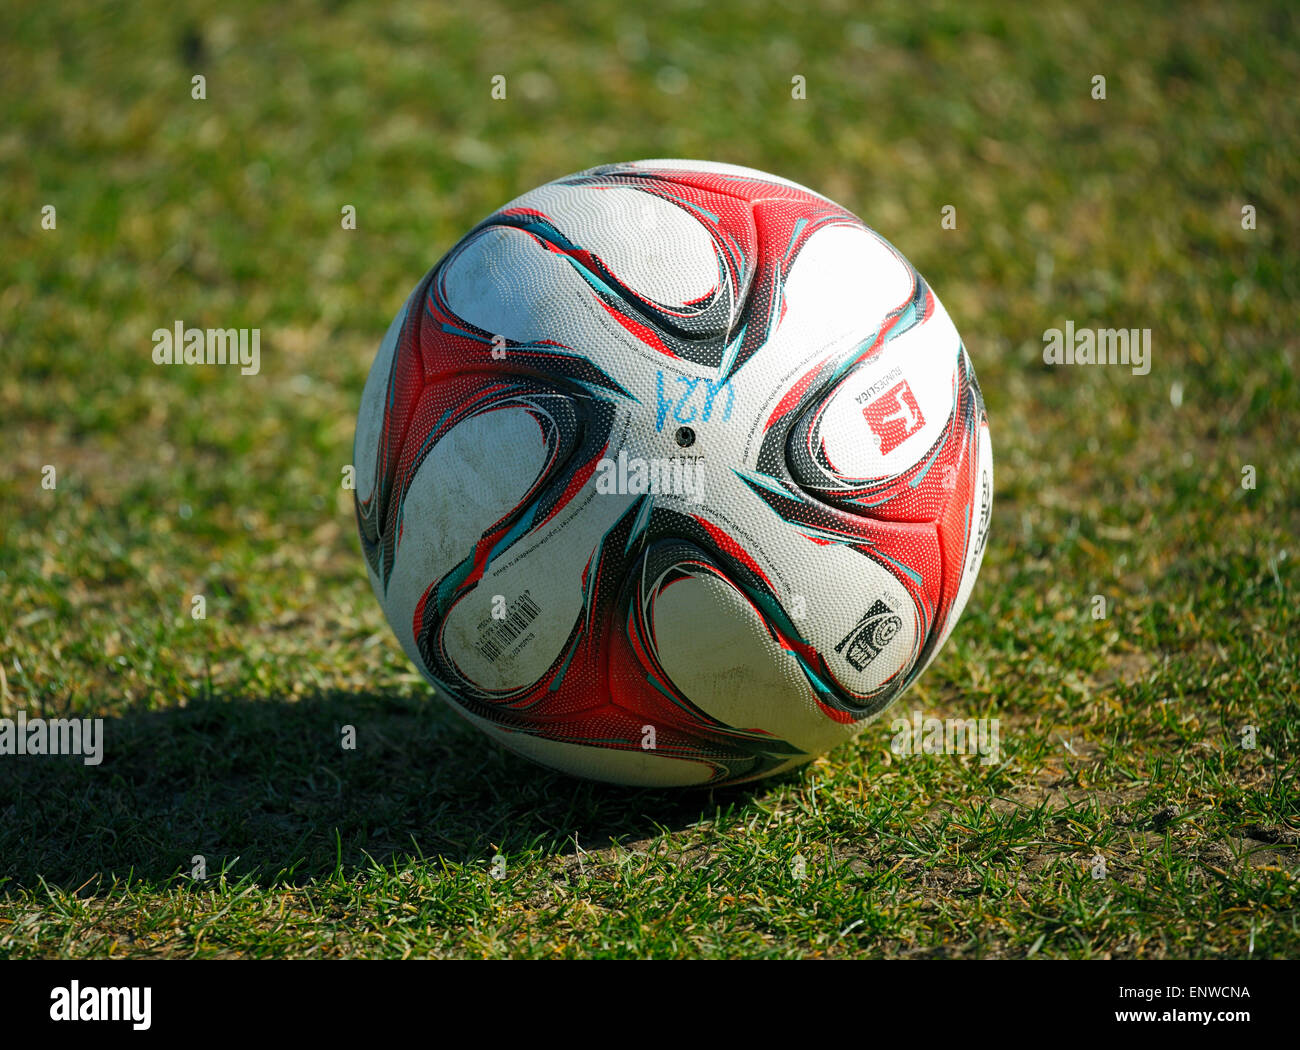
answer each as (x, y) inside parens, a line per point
(893, 417)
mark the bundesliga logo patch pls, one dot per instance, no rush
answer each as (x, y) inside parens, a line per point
(893, 417)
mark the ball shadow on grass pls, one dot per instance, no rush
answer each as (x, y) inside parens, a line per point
(266, 788)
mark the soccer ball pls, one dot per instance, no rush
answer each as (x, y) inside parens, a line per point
(672, 473)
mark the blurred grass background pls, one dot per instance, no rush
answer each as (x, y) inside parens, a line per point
(225, 212)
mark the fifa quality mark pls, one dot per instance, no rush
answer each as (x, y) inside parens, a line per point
(875, 630)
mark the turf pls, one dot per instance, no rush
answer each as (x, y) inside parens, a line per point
(1121, 738)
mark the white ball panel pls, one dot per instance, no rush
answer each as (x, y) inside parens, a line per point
(653, 246)
(888, 413)
(472, 478)
(548, 565)
(835, 585)
(735, 671)
(502, 281)
(841, 287)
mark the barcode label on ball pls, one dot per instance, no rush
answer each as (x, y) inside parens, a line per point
(502, 633)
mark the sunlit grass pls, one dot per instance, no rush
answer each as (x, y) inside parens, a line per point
(1122, 738)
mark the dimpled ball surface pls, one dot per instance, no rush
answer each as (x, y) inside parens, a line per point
(672, 473)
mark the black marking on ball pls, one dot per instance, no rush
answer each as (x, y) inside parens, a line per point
(685, 437)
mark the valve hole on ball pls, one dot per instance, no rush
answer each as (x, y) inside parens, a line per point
(685, 437)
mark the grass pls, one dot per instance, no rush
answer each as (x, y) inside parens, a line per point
(1121, 737)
